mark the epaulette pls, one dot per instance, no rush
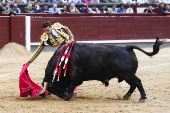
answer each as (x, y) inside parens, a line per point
(44, 37)
(57, 25)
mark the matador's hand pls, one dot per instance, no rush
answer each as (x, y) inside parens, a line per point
(26, 63)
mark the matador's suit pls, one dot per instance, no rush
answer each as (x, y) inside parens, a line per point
(59, 36)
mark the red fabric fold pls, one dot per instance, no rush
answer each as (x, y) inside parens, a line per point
(27, 86)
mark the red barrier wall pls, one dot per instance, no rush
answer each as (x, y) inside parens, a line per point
(107, 28)
(18, 29)
(5, 32)
(88, 28)
(12, 30)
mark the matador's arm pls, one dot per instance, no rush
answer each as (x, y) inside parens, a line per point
(37, 52)
(69, 33)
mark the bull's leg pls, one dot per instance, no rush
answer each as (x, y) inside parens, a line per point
(70, 92)
(135, 82)
(71, 88)
(140, 88)
(75, 81)
(132, 88)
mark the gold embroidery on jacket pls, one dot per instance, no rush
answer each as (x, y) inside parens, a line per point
(44, 37)
(57, 25)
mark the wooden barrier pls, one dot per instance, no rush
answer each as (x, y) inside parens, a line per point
(107, 28)
(84, 28)
(12, 30)
(5, 32)
(18, 29)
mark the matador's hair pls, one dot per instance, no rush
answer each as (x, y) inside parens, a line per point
(46, 24)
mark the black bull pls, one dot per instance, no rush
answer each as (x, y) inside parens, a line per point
(97, 62)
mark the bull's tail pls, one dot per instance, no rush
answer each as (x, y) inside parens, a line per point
(156, 47)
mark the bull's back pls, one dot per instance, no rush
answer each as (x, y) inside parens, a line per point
(103, 61)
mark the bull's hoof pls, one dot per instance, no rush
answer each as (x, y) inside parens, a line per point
(142, 99)
(126, 96)
(67, 98)
(106, 84)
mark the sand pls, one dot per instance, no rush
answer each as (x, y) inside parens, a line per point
(92, 97)
(14, 50)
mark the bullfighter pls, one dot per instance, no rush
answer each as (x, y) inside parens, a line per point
(54, 35)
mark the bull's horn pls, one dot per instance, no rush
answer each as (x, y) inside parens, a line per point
(44, 89)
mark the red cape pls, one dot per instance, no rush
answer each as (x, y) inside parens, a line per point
(27, 86)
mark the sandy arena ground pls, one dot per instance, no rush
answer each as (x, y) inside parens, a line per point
(92, 95)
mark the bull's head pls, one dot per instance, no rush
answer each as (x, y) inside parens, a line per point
(55, 88)
(60, 87)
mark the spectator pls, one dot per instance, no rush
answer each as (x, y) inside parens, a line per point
(31, 1)
(122, 9)
(148, 10)
(129, 10)
(73, 9)
(54, 9)
(42, 1)
(126, 1)
(1, 8)
(116, 1)
(64, 10)
(94, 10)
(10, 1)
(66, 1)
(104, 9)
(11, 14)
(162, 7)
(7, 8)
(57, 1)
(135, 2)
(45, 9)
(95, 1)
(76, 1)
(19, 1)
(165, 1)
(16, 9)
(167, 9)
(144, 1)
(36, 8)
(154, 1)
(87, 1)
(82, 8)
(113, 9)
(28, 8)
(105, 1)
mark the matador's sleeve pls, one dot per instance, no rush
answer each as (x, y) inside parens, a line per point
(37, 52)
(68, 32)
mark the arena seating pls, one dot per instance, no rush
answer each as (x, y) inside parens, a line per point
(137, 9)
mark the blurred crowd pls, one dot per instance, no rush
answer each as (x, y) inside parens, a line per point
(86, 1)
(34, 7)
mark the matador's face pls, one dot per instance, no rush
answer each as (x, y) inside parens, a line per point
(47, 30)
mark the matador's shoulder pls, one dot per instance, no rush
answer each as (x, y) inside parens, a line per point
(57, 25)
(44, 37)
